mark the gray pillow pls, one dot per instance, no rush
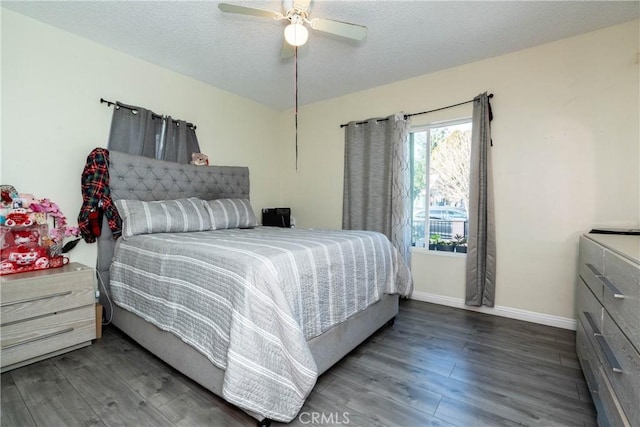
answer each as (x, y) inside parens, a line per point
(231, 213)
(164, 216)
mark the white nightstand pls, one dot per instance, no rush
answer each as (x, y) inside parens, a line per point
(45, 313)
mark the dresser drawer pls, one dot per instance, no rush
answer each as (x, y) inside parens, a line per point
(588, 307)
(587, 357)
(622, 294)
(609, 409)
(607, 337)
(613, 414)
(21, 341)
(44, 292)
(623, 370)
(591, 265)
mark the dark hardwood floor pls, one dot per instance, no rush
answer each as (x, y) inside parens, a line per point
(436, 366)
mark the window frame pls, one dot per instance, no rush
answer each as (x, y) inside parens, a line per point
(427, 128)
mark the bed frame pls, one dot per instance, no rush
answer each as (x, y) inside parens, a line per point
(142, 178)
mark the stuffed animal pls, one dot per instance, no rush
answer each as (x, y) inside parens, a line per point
(7, 193)
(28, 237)
(27, 199)
(199, 159)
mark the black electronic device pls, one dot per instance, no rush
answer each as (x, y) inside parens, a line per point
(276, 217)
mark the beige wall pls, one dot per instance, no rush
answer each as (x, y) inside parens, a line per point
(566, 158)
(52, 82)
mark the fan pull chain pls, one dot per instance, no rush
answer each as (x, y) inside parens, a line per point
(296, 102)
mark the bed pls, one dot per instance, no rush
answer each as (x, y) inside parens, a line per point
(254, 341)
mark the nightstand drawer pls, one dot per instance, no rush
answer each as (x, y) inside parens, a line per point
(623, 370)
(591, 265)
(24, 340)
(44, 292)
(622, 295)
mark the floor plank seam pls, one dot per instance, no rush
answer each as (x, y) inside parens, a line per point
(62, 374)
(24, 401)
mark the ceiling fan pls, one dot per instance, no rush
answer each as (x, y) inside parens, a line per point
(295, 33)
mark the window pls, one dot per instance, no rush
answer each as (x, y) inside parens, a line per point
(440, 162)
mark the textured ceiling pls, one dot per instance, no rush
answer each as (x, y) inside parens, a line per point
(405, 39)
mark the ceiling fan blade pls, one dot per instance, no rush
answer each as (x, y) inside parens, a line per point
(233, 8)
(344, 29)
(287, 50)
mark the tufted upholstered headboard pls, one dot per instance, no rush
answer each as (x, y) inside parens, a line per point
(144, 178)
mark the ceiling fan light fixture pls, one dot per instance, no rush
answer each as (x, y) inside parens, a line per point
(296, 34)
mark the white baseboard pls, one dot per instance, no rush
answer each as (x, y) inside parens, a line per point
(512, 313)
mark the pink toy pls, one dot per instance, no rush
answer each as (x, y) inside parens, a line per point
(32, 235)
(27, 199)
(27, 237)
(18, 218)
(20, 259)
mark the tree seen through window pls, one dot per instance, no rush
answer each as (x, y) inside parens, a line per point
(441, 163)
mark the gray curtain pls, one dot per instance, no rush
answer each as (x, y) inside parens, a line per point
(134, 130)
(481, 251)
(377, 191)
(138, 131)
(179, 142)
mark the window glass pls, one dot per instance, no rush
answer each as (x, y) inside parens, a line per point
(440, 163)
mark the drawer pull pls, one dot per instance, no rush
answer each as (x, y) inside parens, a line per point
(591, 380)
(593, 269)
(611, 358)
(600, 411)
(614, 290)
(592, 323)
(22, 301)
(42, 337)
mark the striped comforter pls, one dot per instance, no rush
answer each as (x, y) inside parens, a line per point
(250, 299)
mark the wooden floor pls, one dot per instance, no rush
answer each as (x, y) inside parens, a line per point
(436, 366)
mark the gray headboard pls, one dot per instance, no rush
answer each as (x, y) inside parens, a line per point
(144, 178)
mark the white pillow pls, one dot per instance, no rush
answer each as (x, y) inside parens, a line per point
(164, 216)
(231, 213)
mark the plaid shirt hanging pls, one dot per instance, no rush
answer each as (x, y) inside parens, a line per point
(96, 198)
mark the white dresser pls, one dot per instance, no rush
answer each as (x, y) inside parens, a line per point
(608, 327)
(44, 313)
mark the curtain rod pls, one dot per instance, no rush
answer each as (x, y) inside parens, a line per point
(126, 107)
(406, 116)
